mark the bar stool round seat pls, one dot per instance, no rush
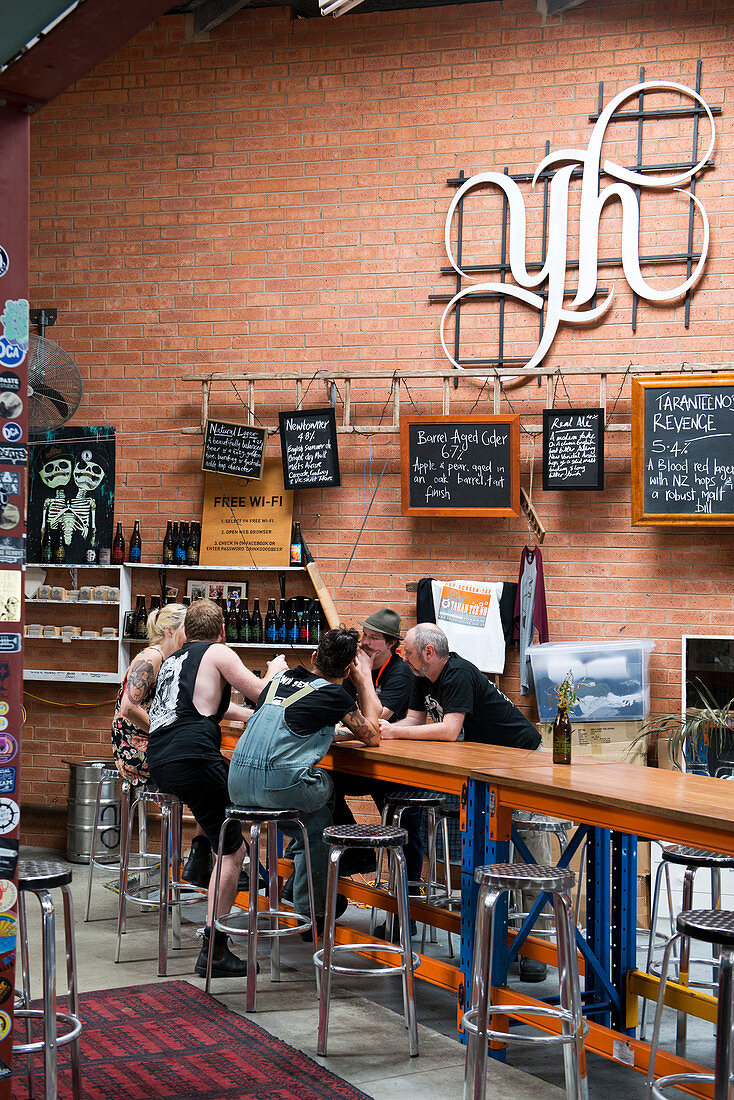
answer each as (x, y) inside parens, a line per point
(422, 800)
(257, 817)
(495, 880)
(526, 819)
(39, 877)
(683, 856)
(715, 926)
(391, 839)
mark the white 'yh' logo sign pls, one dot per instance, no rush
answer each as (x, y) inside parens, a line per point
(553, 272)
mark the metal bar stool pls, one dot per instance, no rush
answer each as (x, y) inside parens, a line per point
(272, 820)
(170, 885)
(494, 881)
(445, 900)
(116, 829)
(397, 802)
(39, 877)
(524, 819)
(391, 839)
(714, 926)
(692, 859)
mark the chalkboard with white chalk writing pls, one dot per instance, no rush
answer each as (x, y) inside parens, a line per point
(233, 449)
(683, 450)
(460, 465)
(573, 449)
(309, 448)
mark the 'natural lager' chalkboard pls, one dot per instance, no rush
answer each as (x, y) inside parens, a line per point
(309, 448)
(573, 449)
(460, 465)
(233, 449)
(683, 450)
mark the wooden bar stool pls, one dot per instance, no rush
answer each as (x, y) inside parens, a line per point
(392, 840)
(298, 922)
(494, 881)
(39, 877)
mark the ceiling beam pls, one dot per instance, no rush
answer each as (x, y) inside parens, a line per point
(213, 12)
(86, 37)
(557, 7)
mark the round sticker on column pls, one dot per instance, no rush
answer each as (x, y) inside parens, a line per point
(9, 815)
(5, 1024)
(4, 261)
(5, 990)
(8, 748)
(8, 893)
(7, 932)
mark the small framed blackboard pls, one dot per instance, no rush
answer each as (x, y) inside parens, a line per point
(683, 450)
(573, 449)
(233, 449)
(460, 465)
(309, 448)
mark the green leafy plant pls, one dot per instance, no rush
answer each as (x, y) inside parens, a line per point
(702, 729)
(565, 693)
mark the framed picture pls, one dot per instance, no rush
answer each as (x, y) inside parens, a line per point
(216, 590)
(235, 591)
(195, 590)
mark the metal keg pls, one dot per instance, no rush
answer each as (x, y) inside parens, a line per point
(84, 778)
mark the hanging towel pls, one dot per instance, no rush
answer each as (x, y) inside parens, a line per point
(531, 613)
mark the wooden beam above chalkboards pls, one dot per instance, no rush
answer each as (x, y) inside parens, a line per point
(460, 465)
(683, 451)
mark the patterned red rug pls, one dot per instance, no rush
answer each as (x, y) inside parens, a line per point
(171, 1040)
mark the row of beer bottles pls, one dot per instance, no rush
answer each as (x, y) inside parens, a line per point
(297, 621)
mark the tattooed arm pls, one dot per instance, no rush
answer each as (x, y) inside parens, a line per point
(364, 729)
(141, 678)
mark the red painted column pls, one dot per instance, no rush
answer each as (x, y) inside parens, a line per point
(14, 230)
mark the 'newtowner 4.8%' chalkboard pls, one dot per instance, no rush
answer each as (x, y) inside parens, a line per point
(683, 450)
(233, 449)
(308, 445)
(460, 465)
(573, 449)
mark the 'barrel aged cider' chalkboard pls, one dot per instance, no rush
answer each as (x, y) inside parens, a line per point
(683, 450)
(309, 448)
(573, 449)
(460, 465)
(233, 449)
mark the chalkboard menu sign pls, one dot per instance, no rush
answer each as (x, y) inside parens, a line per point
(309, 448)
(460, 465)
(573, 449)
(683, 450)
(233, 449)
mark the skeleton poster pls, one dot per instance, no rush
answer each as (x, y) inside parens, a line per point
(72, 490)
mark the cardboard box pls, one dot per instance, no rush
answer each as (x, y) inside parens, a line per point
(611, 741)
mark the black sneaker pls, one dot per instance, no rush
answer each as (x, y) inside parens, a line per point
(225, 964)
(243, 882)
(532, 970)
(198, 867)
(286, 894)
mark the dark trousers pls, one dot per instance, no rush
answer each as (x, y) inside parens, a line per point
(347, 785)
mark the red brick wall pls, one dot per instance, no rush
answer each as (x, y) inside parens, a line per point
(274, 196)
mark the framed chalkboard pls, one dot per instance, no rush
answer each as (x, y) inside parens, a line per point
(460, 465)
(683, 450)
(233, 449)
(573, 449)
(309, 449)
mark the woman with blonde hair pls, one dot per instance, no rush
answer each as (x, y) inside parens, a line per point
(130, 724)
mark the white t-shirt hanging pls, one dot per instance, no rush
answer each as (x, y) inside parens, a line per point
(468, 612)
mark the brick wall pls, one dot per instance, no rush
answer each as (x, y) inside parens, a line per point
(273, 196)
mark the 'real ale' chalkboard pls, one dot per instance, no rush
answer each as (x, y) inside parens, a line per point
(308, 445)
(573, 449)
(233, 449)
(460, 465)
(683, 450)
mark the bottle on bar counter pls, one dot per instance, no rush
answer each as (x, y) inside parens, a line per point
(256, 623)
(118, 547)
(167, 551)
(296, 544)
(136, 546)
(271, 623)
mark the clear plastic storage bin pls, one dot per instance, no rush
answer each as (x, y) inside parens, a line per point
(613, 680)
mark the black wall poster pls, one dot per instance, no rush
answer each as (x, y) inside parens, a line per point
(309, 448)
(573, 449)
(233, 449)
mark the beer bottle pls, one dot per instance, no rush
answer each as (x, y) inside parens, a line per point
(192, 548)
(303, 622)
(296, 544)
(141, 618)
(282, 621)
(167, 552)
(155, 603)
(91, 554)
(271, 623)
(174, 542)
(314, 623)
(47, 546)
(291, 629)
(179, 556)
(231, 632)
(118, 547)
(136, 546)
(256, 623)
(244, 630)
(59, 547)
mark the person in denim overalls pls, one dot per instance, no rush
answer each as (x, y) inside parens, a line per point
(274, 763)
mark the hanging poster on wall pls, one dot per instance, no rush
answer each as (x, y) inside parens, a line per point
(573, 449)
(233, 449)
(71, 495)
(309, 448)
(246, 522)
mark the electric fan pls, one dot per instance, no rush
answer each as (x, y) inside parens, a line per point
(54, 385)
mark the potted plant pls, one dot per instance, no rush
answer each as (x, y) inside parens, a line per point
(703, 736)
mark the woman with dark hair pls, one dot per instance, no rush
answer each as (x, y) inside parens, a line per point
(274, 763)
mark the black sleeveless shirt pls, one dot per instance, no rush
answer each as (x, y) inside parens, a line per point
(177, 730)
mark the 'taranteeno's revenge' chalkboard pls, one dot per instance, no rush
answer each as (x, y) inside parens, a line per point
(683, 450)
(573, 449)
(309, 448)
(233, 449)
(460, 465)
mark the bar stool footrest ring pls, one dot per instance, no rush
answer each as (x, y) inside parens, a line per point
(303, 923)
(73, 1022)
(183, 887)
(365, 948)
(676, 1079)
(468, 1022)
